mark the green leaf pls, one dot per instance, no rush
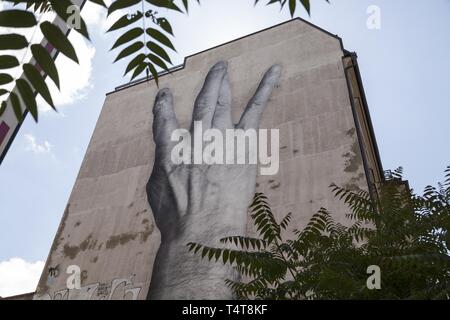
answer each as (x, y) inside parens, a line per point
(100, 3)
(5, 78)
(125, 21)
(37, 6)
(3, 91)
(46, 62)
(12, 41)
(28, 97)
(8, 61)
(128, 36)
(59, 40)
(121, 4)
(217, 254)
(292, 5)
(211, 253)
(38, 83)
(156, 60)
(225, 256)
(139, 69)
(274, 1)
(168, 4)
(154, 73)
(160, 37)
(196, 247)
(158, 51)
(130, 50)
(306, 5)
(232, 257)
(15, 102)
(135, 62)
(165, 25)
(2, 108)
(204, 252)
(17, 19)
(186, 5)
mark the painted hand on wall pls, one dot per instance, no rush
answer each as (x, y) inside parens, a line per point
(200, 202)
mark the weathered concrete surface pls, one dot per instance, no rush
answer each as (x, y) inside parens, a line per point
(108, 227)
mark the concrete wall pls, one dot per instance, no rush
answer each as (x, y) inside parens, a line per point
(108, 228)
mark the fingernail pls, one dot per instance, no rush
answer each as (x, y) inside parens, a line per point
(274, 73)
(163, 93)
(163, 98)
(275, 70)
(220, 65)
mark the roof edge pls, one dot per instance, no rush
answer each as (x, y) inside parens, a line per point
(365, 105)
(183, 65)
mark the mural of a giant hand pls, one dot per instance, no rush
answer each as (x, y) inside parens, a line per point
(200, 202)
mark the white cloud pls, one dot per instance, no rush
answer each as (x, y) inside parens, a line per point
(75, 79)
(37, 148)
(93, 15)
(96, 18)
(18, 276)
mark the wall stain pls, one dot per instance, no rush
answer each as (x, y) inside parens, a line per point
(353, 158)
(43, 282)
(148, 231)
(72, 251)
(351, 132)
(83, 276)
(124, 238)
(275, 186)
(141, 212)
(121, 239)
(353, 184)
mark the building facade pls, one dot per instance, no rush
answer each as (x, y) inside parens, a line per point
(108, 229)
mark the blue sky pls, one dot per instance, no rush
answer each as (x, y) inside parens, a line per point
(405, 68)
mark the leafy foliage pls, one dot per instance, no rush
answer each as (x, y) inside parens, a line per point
(33, 80)
(292, 4)
(406, 235)
(143, 36)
